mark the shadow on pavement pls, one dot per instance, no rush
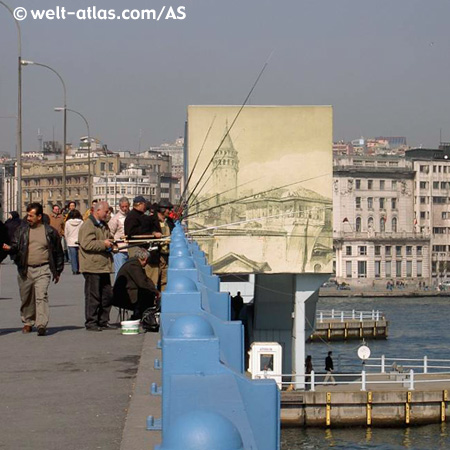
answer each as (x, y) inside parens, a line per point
(50, 330)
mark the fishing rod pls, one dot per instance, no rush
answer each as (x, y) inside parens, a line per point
(258, 219)
(221, 193)
(231, 126)
(196, 161)
(254, 195)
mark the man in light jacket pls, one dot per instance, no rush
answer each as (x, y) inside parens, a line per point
(116, 226)
(95, 251)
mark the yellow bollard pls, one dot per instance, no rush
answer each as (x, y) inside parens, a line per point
(328, 410)
(369, 408)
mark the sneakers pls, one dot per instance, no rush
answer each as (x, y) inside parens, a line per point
(27, 329)
(93, 329)
(42, 331)
(108, 327)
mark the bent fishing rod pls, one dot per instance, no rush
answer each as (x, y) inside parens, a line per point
(253, 195)
(231, 127)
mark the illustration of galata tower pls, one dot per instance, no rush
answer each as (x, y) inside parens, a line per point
(225, 169)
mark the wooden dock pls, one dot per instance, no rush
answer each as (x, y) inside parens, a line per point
(343, 325)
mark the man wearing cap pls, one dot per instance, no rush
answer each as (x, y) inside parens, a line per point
(133, 222)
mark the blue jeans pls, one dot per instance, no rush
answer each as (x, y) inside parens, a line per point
(119, 260)
(73, 252)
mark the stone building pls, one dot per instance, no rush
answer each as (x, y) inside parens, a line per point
(432, 203)
(374, 230)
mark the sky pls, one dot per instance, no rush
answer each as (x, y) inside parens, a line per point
(382, 65)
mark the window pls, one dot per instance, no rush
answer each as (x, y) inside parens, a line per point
(370, 202)
(369, 184)
(408, 250)
(435, 184)
(422, 214)
(387, 269)
(444, 215)
(382, 201)
(423, 200)
(370, 223)
(394, 225)
(358, 224)
(357, 184)
(419, 250)
(394, 185)
(348, 269)
(398, 250)
(362, 269)
(443, 185)
(423, 185)
(423, 169)
(102, 166)
(377, 250)
(358, 202)
(382, 224)
(348, 250)
(362, 250)
(393, 203)
(377, 269)
(439, 200)
(398, 269)
(387, 250)
(409, 269)
(439, 230)
(382, 185)
(419, 268)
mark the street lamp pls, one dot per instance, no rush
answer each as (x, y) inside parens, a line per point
(31, 63)
(19, 111)
(89, 151)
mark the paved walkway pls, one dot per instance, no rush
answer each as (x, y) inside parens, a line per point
(72, 388)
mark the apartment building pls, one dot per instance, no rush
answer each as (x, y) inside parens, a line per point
(374, 226)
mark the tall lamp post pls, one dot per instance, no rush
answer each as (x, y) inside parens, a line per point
(30, 63)
(89, 151)
(19, 111)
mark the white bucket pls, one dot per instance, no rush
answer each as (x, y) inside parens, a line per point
(130, 327)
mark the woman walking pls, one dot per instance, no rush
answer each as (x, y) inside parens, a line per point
(71, 230)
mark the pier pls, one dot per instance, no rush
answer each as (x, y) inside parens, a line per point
(343, 325)
(395, 396)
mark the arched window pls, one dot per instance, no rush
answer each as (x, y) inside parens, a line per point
(382, 224)
(370, 223)
(394, 225)
(358, 224)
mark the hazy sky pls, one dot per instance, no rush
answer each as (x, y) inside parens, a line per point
(383, 65)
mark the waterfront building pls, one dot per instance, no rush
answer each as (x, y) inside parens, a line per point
(374, 230)
(432, 203)
(176, 151)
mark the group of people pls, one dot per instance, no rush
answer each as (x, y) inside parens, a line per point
(329, 369)
(96, 243)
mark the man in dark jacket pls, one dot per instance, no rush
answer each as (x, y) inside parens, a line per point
(38, 256)
(329, 367)
(133, 222)
(133, 289)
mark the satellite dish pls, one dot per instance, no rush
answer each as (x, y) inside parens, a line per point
(363, 352)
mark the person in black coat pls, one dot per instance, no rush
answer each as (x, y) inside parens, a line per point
(4, 239)
(133, 290)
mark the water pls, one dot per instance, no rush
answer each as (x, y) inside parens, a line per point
(417, 327)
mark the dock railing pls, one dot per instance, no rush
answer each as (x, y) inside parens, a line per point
(425, 364)
(364, 380)
(324, 315)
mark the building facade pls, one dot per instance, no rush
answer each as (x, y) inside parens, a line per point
(374, 227)
(432, 203)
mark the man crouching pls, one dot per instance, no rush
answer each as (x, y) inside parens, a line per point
(133, 290)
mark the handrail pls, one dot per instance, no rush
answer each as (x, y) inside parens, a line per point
(353, 315)
(407, 379)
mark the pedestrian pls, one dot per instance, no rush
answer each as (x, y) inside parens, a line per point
(71, 231)
(308, 370)
(89, 211)
(133, 222)
(39, 257)
(117, 227)
(57, 220)
(4, 239)
(329, 368)
(70, 207)
(95, 247)
(14, 221)
(237, 302)
(133, 290)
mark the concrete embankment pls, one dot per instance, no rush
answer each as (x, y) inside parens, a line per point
(375, 293)
(381, 406)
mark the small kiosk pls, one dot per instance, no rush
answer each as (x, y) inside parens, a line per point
(266, 361)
